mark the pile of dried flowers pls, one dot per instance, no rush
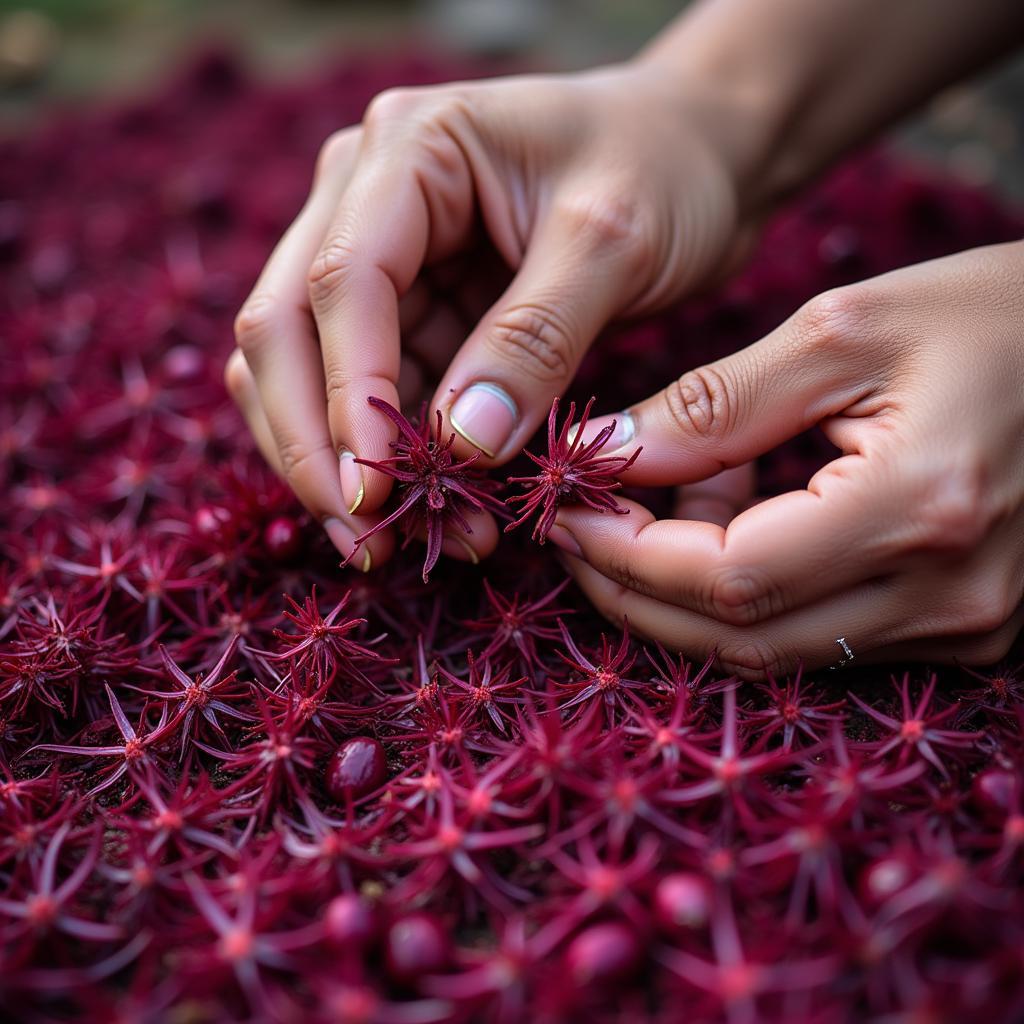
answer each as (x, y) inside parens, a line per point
(240, 783)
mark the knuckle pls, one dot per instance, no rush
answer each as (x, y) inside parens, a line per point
(751, 657)
(236, 375)
(701, 402)
(295, 455)
(334, 147)
(336, 383)
(606, 222)
(743, 596)
(331, 268)
(988, 609)
(394, 104)
(834, 319)
(537, 338)
(956, 510)
(992, 648)
(252, 324)
(619, 568)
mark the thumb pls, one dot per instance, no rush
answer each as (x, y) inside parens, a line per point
(578, 272)
(730, 411)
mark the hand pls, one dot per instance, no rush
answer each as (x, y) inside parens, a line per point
(600, 190)
(910, 545)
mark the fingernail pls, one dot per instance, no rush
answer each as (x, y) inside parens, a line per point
(562, 538)
(485, 415)
(624, 432)
(352, 489)
(453, 544)
(341, 536)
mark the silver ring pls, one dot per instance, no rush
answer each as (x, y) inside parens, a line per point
(847, 654)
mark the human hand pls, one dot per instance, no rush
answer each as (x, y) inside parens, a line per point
(600, 190)
(910, 545)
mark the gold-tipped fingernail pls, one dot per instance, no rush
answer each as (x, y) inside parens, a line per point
(466, 546)
(485, 415)
(352, 487)
(367, 560)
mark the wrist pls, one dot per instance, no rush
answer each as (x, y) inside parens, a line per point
(739, 107)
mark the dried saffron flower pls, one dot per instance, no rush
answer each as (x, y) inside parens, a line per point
(571, 472)
(435, 489)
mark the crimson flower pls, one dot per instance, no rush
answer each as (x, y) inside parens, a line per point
(917, 731)
(456, 840)
(571, 472)
(728, 771)
(47, 903)
(486, 691)
(794, 711)
(513, 622)
(322, 641)
(435, 490)
(206, 694)
(244, 943)
(132, 752)
(604, 675)
(611, 881)
(733, 981)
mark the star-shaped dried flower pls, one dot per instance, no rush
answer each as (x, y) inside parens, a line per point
(435, 489)
(571, 472)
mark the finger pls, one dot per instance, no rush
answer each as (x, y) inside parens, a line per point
(780, 554)
(342, 530)
(983, 648)
(474, 545)
(720, 498)
(580, 269)
(817, 364)
(275, 334)
(872, 618)
(410, 197)
(241, 386)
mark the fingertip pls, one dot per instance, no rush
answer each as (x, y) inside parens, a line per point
(363, 434)
(475, 545)
(370, 554)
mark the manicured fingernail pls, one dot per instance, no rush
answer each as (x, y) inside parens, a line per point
(341, 536)
(453, 545)
(352, 489)
(485, 415)
(562, 538)
(367, 563)
(624, 432)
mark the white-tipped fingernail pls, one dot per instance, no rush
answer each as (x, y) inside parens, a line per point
(622, 435)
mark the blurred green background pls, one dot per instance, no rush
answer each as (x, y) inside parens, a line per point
(70, 51)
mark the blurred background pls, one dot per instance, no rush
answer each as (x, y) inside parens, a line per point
(68, 52)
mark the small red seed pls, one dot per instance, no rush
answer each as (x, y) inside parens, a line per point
(994, 792)
(603, 954)
(349, 921)
(417, 944)
(884, 877)
(210, 520)
(357, 767)
(282, 539)
(682, 902)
